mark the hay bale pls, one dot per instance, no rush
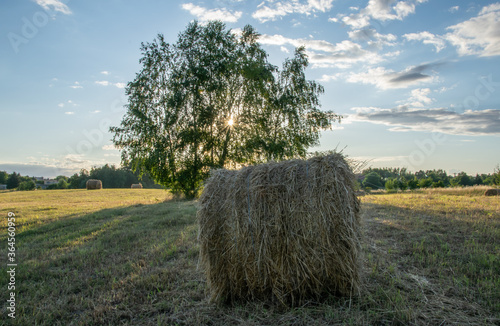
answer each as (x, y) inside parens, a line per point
(287, 231)
(136, 186)
(492, 192)
(94, 184)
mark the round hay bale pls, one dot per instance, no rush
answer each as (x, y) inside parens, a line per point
(94, 184)
(492, 192)
(136, 186)
(288, 231)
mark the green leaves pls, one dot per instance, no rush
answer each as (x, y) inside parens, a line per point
(176, 126)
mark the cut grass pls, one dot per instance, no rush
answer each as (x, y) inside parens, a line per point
(118, 257)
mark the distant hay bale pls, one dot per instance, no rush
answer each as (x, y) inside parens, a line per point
(136, 186)
(492, 192)
(287, 231)
(360, 193)
(94, 184)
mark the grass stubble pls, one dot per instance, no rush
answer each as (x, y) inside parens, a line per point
(125, 257)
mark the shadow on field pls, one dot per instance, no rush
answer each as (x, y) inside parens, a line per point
(137, 265)
(105, 267)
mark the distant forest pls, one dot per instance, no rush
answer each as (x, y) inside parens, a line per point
(110, 175)
(391, 179)
(394, 179)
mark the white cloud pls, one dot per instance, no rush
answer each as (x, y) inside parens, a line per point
(76, 85)
(325, 54)
(284, 49)
(102, 82)
(356, 20)
(403, 9)
(104, 72)
(96, 111)
(479, 35)
(327, 78)
(381, 10)
(74, 158)
(55, 5)
(427, 38)
(372, 37)
(404, 118)
(388, 159)
(69, 113)
(453, 9)
(491, 8)
(388, 79)
(385, 10)
(107, 83)
(445, 89)
(61, 105)
(419, 97)
(283, 8)
(205, 14)
(109, 147)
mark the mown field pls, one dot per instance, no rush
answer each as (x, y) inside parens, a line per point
(129, 257)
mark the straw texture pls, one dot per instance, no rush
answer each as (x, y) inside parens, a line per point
(94, 184)
(136, 186)
(492, 192)
(285, 231)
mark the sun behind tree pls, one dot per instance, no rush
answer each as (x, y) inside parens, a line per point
(181, 107)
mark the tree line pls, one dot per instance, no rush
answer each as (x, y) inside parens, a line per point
(391, 179)
(394, 179)
(110, 175)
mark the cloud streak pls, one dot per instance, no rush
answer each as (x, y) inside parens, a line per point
(404, 118)
(325, 54)
(389, 79)
(271, 10)
(107, 83)
(427, 38)
(205, 14)
(382, 10)
(55, 5)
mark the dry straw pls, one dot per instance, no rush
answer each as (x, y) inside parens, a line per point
(286, 231)
(94, 184)
(492, 192)
(136, 186)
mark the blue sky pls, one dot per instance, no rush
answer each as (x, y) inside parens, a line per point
(418, 82)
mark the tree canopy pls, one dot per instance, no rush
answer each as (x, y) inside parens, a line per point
(213, 100)
(13, 180)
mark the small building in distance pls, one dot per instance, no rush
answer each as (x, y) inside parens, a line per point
(44, 182)
(48, 182)
(3, 187)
